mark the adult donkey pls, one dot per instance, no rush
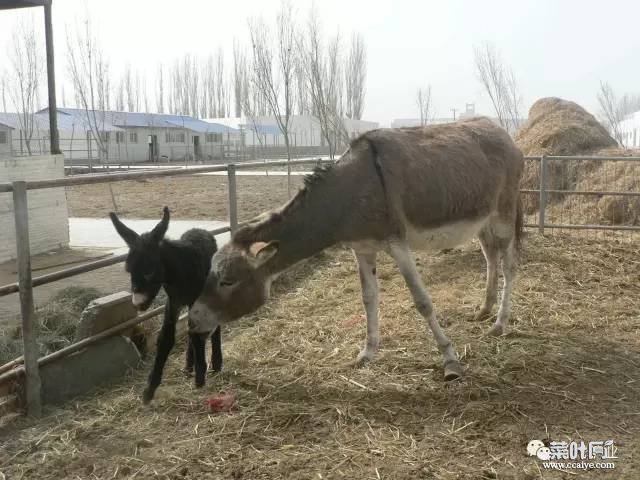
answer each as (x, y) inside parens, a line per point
(394, 189)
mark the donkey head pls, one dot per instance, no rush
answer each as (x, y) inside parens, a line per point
(144, 261)
(238, 284)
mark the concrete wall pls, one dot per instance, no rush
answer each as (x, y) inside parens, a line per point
(5, 148)
(48, 216)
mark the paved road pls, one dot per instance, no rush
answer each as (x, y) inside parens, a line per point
(92, 238)
(99, 232)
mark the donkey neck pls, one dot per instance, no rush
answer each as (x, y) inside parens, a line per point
(181, 272)
(311, 222)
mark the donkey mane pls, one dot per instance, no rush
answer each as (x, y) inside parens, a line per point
(258, 228)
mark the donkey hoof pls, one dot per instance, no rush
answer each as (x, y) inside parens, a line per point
(364, 357)
(496, 330)
(452, 371)
(147, 395)
(482, 315)
(188, 372)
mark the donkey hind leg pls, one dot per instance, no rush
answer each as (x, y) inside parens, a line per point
(402, 255)
(216, 350)
(165, 342)
(369, 285)
(509, 267)
(492, 257)
(188, 367)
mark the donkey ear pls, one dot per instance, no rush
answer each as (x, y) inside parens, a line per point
(128, 235)
(263, 252)
(159, 230)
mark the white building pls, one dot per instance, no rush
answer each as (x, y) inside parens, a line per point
(630, 129)
(139, 137)
(6, 132)
(304, 130)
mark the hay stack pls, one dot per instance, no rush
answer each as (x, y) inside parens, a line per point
(559, 127)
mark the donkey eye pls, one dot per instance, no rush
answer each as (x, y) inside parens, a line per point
(227, 283)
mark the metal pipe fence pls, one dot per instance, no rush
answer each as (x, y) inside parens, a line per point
(28, 364)
(594, 193)
(558, 180)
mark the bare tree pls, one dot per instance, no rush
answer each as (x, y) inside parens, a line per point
(239, 75)
(3, 91)
(499, 82)
(355, 77)
(322, 72)
(120, 105)
(145, 95)
(160, 90)
(272, 70)
(613, 110)
(425, 105)
(89, 72)
(219, 85)
(63, 96)
(26, 71)
(302, 100)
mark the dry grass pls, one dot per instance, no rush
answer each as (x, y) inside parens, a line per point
(56, 323)
(568, 370)
(561, 127)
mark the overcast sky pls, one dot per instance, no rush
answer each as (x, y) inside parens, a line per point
(560, 48)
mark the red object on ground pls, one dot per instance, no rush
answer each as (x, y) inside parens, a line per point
(353, 320)
(223, 402)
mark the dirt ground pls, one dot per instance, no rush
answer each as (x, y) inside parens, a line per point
(194, 197)
(568, 370)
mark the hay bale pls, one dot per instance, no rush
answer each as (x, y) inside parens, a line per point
(56, 323)
(559, 127)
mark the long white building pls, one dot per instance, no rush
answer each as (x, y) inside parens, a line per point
(304, 130)
(630, 129)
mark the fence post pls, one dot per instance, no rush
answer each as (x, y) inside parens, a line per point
(32, 376)
(543, 194)
(233, 199)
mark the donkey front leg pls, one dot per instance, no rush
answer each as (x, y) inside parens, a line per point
(402, 255)
(198, 343)
(165, 342)
(216, 350)
(369, 285)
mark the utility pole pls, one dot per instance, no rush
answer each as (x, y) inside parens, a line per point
(454, 110)
(51, 81)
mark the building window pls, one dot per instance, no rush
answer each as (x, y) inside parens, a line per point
(174, 137)
(119, 137)
(133, 137)
(4, 138)
(105, 137)
(214, 137)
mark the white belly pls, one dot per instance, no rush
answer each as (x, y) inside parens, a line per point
(446, 236)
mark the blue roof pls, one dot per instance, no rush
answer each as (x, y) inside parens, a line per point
(200, 126)
(41, 119)
(159, 120)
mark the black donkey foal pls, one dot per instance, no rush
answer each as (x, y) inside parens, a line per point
(181, 267)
